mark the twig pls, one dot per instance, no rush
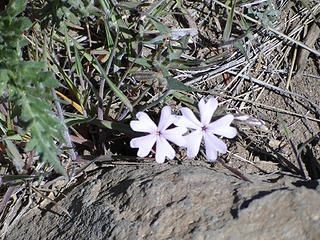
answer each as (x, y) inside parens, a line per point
(235, 171)
(301, 44)
(265, 106)
(267, 85)
(66, 134)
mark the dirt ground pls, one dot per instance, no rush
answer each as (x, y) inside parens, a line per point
(291, 130)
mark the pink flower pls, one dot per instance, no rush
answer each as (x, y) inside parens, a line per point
(158, 135)
(203, 129)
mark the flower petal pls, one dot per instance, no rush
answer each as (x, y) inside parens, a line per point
(175, 135)
(193, 141)
(144, 123)
(188, 119)
(213, 144)
(207, 110)
(166, 119)
(222, 127)
(144, 144)
(163, 150)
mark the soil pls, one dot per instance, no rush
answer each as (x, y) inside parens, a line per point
(249, 152)
(290, 133)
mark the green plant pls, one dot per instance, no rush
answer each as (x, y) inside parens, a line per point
(25, 92)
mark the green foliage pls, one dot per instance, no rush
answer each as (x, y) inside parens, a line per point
(55, 11)
(11, 29)
(26, 86)
(267, 16)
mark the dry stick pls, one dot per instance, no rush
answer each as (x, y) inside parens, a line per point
(274, 59)
(293, 32)
(297, 32)
(270, 29)
(293, 63)
(267, 85)
(293, 146)
(285, 72)
(235, 171)
(287, 164)
(52, 201)
(282, 160)
(266, 106)
(298, 158)
(223, 68)
(253, 3)
(6, 199)
(247, 161)
(66, 134)
(310, 39)
(23, 211)
(10, 216)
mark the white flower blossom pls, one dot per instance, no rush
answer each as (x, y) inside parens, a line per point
(249, 120)
(158, 135)
(203, 129)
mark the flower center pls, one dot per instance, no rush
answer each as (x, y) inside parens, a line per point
(204, 128)
(158, 133)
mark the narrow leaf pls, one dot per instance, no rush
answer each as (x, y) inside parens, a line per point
(283, 124)
(16, 156)
(66, 39)
(73, 103)
(227, 30)
(242, 50)
(162, 28)
(175, 84)
(113, 87)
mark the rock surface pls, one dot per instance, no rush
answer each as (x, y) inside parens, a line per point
(178, 202)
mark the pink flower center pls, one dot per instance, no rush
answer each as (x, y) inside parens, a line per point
(204, 128)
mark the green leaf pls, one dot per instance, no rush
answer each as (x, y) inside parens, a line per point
(4, 78)
(51, 158)
(162, 28)
(120, 127)
(142, 61)
(15, 137)
(306, 143)
(284, 126)
(31, 144)
(66, 39)
(227, 29)
(133, 6)
(242, 49)
(185, 99)
(114, 88)
(29, 93)
(16, 156)
(78, 59)
(15, 7)
(50, 81)
(112, 125)
(175, 84)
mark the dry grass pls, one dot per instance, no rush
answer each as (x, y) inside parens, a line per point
(262, 62)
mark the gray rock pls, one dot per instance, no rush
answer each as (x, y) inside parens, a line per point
(178, 202)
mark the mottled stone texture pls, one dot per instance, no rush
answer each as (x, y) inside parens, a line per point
(178, 202)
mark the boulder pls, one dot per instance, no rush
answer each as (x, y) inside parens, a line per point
(177, 202)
